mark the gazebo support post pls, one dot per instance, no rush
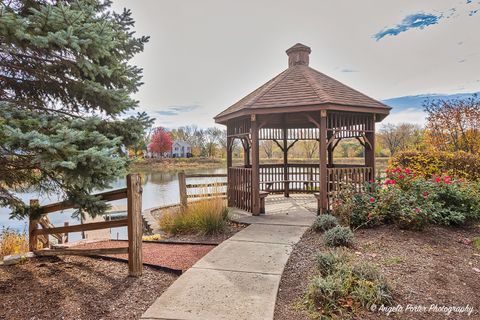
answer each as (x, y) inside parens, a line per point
(330, 151)
(323, 162)
(229, 165)
(255, 166)
(370, 151)
(286, 184)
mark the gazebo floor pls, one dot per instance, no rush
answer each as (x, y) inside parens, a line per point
(298, 209)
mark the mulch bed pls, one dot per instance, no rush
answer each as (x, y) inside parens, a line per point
(173, 256)
(73, 287)
(434, 266)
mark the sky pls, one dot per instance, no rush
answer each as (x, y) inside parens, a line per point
(204, 55)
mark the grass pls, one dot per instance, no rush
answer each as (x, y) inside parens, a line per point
(206, 217)
(476, 243)
(12, 242)
(393, 260)
(152, 237)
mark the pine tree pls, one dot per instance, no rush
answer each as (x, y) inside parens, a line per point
(65, 86)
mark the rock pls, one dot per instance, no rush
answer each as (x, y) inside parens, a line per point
(16, 258)
(465, 241)
(476, 270)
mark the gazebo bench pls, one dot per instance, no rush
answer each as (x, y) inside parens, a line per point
(317, 195)
(269, 184)
(263, 195)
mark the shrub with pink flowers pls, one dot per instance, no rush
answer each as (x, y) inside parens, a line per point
(411, 201)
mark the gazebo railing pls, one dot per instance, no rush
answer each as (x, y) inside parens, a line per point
(240, 188)
(355, 177)
(304, 178)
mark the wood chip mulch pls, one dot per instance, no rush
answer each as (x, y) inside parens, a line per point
(73, 287)
(435, 266)
(173, 256)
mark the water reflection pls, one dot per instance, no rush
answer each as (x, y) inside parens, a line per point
(159, 188)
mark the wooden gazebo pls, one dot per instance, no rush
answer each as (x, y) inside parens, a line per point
(299, 104)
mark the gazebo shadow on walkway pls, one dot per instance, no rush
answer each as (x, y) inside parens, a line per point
(298, 209)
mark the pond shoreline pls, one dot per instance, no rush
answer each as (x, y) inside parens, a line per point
(176, 164)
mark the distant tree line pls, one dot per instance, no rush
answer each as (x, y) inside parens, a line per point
(452, 125)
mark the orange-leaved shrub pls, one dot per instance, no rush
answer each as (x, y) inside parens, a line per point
(458, 164)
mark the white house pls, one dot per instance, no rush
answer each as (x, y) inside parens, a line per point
(181, 149)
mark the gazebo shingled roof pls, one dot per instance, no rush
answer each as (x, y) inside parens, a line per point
(303, 87)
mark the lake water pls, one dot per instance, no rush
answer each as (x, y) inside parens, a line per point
(159, 188)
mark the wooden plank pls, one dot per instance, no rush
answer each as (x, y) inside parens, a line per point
(207, 195)
(65, 235)
(213, 175)
(255, 166)
(80, 252)
(83, 227)
(323, 162)
(135, 225)
(206, 185)
(106, 196)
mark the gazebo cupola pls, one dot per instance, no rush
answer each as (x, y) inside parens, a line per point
(299, 104)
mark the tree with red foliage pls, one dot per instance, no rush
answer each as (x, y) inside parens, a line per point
(161, 141)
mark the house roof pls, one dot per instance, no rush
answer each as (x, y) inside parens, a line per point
(181, 143)
(300, 86)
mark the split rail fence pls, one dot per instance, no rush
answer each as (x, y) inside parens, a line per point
(133, 222)
(205, 189)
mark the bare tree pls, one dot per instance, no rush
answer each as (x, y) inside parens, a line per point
(400, 137)
(267, 147)
(310, 148)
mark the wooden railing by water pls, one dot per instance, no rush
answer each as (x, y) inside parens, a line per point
(204, 189)
(133, 222)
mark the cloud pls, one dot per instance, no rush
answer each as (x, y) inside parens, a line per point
(176, 110)
(410, 115)
(348, 70)
(166, 113)
(413, 21)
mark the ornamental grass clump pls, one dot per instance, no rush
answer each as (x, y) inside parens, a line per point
(327, 261)
(12, 242)
(206, 217)
(324, 222)
(338, 236)
(344, 286)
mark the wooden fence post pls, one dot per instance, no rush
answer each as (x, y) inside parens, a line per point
(135, 225)
(32, 226)
(182, 185)
(65, 235)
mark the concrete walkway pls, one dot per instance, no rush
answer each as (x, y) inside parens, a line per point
(239, 279)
